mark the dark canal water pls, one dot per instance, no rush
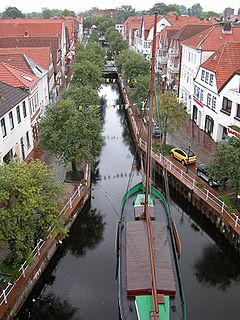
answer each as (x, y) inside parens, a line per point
(79, 283)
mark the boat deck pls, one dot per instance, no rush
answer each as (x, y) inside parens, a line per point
(127, 302)
(139, 279)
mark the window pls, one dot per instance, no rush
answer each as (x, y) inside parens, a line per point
(11, 120)
(203, 75)
(3, 126)
(201, 95)
(206, 77)
(209, 98)
(28, 140)
(227, 106)
(18, 114)
(24, 109)
(211, 80)
(214, 100)
(238, 111)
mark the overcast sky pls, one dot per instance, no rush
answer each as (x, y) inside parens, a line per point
(78, 5)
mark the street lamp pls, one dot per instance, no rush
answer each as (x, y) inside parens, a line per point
(188, 153)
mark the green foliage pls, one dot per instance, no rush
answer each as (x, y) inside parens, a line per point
(71, 134)
(92, 52)
(160, 8)
(208, 14)
(195, 10)
(124, 12)
(131, 64)
(163, 148)
(70, 13)
(12, 12)
(115, 40)
(102, 23)
(94, 37)
(47, 13)
(28, 206)
(140, 91)
(174, 8)
(87, 73)
(226, 162)
(168, 113)
(82, 96)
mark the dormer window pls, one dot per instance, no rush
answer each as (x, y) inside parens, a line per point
(203, 75)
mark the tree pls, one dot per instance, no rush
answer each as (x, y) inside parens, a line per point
(69, 13)
(115, 40)
(168, 113)
(225, 163)
(195, 10)
(160, 8)
(183, 10)
(82, 96)
(135, 66)
(208, 14)
(12, 12)
(174, 8)
(140, 91)
(71, 134)
(28, 206)
(46, 13)
(87, 73)
(94, 37)
(92, 51)
(124, 12)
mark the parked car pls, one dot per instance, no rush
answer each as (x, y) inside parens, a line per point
(156, 132)
(203, 172)
(184, 155)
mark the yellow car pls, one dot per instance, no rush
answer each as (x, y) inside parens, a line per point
(184, 155)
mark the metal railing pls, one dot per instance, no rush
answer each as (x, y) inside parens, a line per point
(182, 175)
(37, 250)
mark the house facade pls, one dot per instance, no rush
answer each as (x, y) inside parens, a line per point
(16, 133)
(216, 98)
(195, 51)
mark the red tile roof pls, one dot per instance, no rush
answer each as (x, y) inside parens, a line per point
(33, 27)
(184, 20)
(15, 60)
(39, 55)
(212, 39)
(224, 62)
(16, 77)
(133, 22)
(30, 42)
(189, 31)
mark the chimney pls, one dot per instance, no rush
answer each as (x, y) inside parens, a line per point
(26, 34)
(227, 28)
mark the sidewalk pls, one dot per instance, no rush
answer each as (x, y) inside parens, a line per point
(201, 143)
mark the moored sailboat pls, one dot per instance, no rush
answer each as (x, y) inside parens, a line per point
(150, 285)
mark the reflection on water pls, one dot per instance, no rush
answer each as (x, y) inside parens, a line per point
(79, 282)
(89, 235)
(215, 269)
(54, 307)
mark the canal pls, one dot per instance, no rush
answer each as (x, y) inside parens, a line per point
(80, 284)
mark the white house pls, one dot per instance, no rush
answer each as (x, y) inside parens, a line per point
(216, 98)
(16, 132)
(195, 51)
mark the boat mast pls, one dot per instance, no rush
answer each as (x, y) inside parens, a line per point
(149, 147)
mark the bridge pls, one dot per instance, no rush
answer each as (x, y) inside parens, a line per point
(110, 70)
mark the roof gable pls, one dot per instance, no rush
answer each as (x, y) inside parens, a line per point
(212, 39)
(224, 63)
(16, 77)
